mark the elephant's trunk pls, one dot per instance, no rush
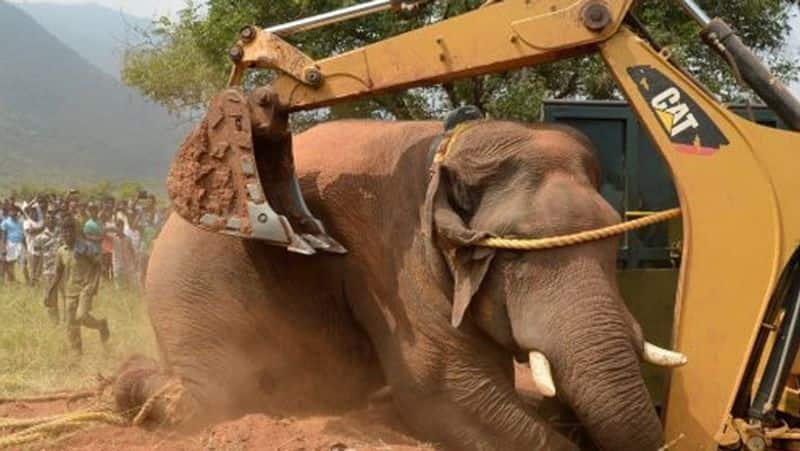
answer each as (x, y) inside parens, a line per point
(600, 379)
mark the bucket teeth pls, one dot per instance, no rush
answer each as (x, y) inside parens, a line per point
(334, 246)
(324, 242)
(315, 242)
(300, 246)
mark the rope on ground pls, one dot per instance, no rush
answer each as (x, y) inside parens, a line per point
(15, 440)
(17, 423)
(53, 426)
(531, 244)
(28, 430)
(169, 391)
(69, 396)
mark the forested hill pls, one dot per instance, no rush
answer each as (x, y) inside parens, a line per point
(96, 32)
(64, 121)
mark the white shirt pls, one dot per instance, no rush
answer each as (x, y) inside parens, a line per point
(31, 229)
(134, 236)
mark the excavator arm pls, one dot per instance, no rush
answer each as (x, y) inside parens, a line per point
(232, 190)
(503, 36)
(737, 181)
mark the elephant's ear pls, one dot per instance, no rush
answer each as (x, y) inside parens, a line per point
(447, 203)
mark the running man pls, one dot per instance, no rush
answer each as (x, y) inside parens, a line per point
(78, 264)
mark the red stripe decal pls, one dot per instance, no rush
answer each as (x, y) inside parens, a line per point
(695, 150)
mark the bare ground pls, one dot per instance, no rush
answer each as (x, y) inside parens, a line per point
(375, 428)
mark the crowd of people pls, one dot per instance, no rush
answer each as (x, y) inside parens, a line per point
(70, 245)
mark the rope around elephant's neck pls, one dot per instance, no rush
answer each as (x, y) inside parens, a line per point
(533, 244)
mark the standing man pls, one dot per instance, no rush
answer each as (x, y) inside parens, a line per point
(3, 214)
(73, 207)
(106, 217)
(148, 235)
(33, 226)
(123, 257)
(49, 242)
(78, 264)
(133, 232)
(14, 241)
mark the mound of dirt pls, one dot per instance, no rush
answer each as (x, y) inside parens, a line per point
(373, 429)
(366, 430)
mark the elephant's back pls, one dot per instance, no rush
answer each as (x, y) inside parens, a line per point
(366, 180)
(358, 146)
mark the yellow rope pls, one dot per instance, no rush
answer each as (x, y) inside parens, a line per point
(450, 140)
(16, 423)
(15, 440)
(28, 430)
(48, 426)
(530, 244)
(147, 407)
(70, 420)
(71, 396)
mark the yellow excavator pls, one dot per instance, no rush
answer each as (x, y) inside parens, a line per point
(737, 309)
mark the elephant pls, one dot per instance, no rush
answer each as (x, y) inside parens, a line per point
(417, 304)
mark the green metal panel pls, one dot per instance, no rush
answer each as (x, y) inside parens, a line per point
(650, 296)
(635, 178)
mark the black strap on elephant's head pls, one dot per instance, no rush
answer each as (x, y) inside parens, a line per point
(453, 119)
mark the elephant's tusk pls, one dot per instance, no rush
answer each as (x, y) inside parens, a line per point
(663, 357)
(541, 374)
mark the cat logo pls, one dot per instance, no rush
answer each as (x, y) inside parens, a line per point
(674, 114)
(688, 127)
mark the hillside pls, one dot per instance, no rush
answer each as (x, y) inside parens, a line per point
(95, 32)
(65, 121)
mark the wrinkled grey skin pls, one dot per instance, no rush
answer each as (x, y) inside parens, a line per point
(249, 327)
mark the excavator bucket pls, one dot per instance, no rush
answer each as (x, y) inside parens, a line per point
(216, 179)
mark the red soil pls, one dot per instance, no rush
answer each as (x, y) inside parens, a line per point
(376, 428)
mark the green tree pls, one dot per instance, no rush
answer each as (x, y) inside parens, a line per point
(27, 191)
(127, 190)
(183, 62)
(95, 191)
(89, 192)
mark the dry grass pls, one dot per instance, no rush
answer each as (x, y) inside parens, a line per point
(35, 357)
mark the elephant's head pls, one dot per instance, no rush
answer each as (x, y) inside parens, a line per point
(562, 306)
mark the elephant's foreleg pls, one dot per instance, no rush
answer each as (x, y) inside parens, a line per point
(449, 421)
(469, 403)
(249, 328)
(148, 396)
